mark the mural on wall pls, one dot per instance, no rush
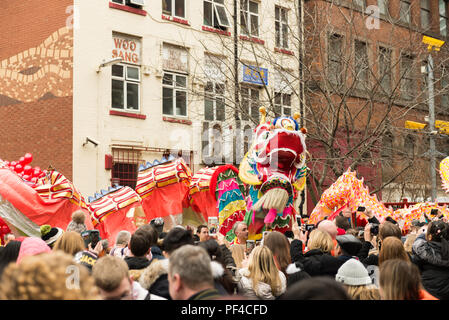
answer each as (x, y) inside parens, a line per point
(42, 72)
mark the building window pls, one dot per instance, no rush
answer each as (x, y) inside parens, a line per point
(215, 14)
(282, 104)
(132, 3)
(359, 3)
(212, 144)
(443, 17)
(383, 6)
(385, 69)
(125, 87)
(409, 146)
(281, 27)
(214, 103)
(361, 62)
(404, 11)
(250, 103)
(335, 55)
(407, 79)
(247, 138)
(249, 18)
(387, 145)
(125, 167)
(174, 8)
(425, 14)
(444, 83)
(174, 94)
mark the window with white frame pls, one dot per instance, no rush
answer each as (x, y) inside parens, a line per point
(212, 143)
(214, 102)
(131, 3)
(282, 104)
(214, 14)
(249, 18)
(281, 27)
(250, 103)
(125, 87)
(175, 8)
(174, 94)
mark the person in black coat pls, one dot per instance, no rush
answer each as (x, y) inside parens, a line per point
(317, 261)
(430, 252)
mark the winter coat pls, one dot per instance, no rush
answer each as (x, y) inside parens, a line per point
(315, 262)
(295, 272)
(427, 255)
(263, 292)
(155, 278)
(137, 263)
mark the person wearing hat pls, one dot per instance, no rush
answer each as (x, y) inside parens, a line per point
(355, 278)
(348, 246)
(50, 235)
(77, 224)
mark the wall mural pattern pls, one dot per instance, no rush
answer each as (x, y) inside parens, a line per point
(41, 72)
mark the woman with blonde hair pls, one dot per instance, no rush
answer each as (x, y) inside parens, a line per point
(261, 279)
(70, 242)
(318, 260)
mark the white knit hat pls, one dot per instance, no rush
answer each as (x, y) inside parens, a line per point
(353, 273)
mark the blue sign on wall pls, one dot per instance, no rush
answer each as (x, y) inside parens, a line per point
(255, 75)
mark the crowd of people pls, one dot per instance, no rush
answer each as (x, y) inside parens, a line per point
(332, 260)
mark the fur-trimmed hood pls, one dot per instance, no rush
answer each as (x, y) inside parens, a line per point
(151, 273)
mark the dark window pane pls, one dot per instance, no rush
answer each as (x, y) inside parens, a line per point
(167, 101)
(219, 88)
(285, 36)
(181, 103)
(181, 81)
(117, 70)
(132, 96)
(209, 109)
(118, 94)
(220, 105)
(287, 111)
(277, 29)
(287, 99)
(179, 7)
(254, 25)
(277, 110)
(222, 16)
(168, 79)
(207, 14)
(166, 7)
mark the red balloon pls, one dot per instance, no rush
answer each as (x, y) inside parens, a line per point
(22, 161)
(28, 170)
(18, 168)
(27, 177)
(13, 163)
(28, 158)
(36, 173)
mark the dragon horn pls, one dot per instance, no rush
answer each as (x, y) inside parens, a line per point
(263, 113)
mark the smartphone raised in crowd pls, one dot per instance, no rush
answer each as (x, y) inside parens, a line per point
(298, 220)
(250, 244)
(212, 223)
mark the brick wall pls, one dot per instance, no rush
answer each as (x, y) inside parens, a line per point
(26, 23)
(43, 128)
(36, 97)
